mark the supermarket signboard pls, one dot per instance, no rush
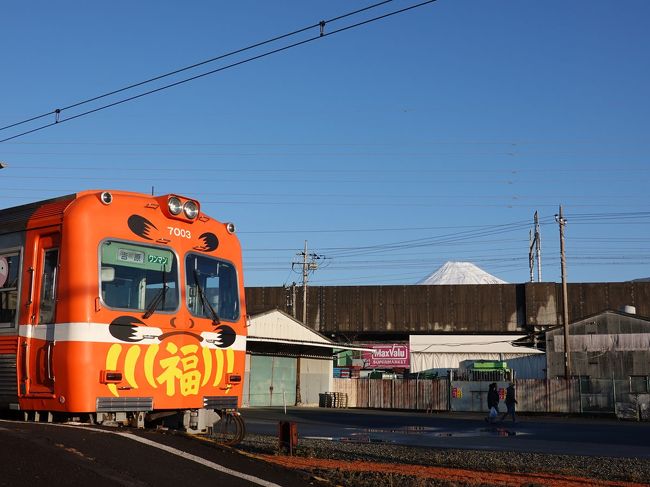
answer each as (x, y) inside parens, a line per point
(387, 355)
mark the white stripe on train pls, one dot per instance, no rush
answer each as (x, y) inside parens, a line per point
(98, 333)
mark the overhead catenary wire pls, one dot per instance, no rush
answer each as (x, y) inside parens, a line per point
(192, 66)
(321, 34)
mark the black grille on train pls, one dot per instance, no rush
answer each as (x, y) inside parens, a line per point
(219, 402)
(8, 389)
(117, 404)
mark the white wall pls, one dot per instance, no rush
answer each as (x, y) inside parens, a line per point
(315, 378)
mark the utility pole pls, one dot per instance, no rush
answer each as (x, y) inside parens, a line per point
(305, 276)
(308, 264)
(538, 246)
(531, 256)
(565, 298)
(536, 243)
(290, 294)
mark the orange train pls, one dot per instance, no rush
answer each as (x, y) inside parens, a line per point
(119, 305)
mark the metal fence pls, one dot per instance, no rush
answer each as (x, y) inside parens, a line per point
(607, 395)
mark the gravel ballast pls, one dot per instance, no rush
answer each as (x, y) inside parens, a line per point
(603, 471)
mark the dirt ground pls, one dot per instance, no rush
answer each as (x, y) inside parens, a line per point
(452, 476)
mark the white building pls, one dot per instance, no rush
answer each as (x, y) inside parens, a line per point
(441, 353)
(287, 363)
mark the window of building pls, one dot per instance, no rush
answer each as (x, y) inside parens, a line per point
(639, 384)
(585, 384)
(9, 274)
(593, 358)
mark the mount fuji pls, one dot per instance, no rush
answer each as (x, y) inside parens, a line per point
(460, 273)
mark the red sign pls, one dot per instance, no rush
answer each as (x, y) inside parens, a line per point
(391, 355)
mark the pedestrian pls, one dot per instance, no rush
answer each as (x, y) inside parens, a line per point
(510, 402)
(493, 403)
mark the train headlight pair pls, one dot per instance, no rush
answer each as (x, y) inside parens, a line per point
(190, 208)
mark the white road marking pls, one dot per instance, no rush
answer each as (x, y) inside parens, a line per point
(202, 461)
(177, 452)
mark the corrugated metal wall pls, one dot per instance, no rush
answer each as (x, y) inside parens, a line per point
(609, 345)
(497, 308)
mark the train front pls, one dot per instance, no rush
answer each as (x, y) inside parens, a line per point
(163, 319)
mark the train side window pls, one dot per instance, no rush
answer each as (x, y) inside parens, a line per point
(9, 275)
(48, 286)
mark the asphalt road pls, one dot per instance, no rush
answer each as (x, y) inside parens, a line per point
(57, 455)
(80, 455)
(546, 434)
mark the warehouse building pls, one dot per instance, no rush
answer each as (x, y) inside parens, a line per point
(287, 363)
(608, 345)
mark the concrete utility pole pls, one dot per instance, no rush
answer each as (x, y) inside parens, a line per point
(565, 298)
(531, 257)
(305, 276)
(307, 265)
(293, 299)
(538, 246)
(536, 243)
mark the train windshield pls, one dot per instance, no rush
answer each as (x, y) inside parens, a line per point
(138, 277)
(212, 290)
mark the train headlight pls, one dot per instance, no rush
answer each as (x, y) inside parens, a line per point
(175, 206)
(191, 209)
(106, 198)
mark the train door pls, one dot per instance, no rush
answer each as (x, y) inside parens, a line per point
(42, 297)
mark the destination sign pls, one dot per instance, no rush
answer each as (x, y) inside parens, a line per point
(139, 256)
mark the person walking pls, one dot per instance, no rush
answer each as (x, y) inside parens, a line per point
(493, 403)
(510, 402)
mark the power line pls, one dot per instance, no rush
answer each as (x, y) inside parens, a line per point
(510, 170)
(187, 68)
(321, 25)
(599, 141)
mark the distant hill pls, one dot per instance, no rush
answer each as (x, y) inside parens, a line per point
(460, 273)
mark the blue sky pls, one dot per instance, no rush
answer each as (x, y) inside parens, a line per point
(428, 136)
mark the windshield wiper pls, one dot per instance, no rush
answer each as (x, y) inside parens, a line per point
(204, 301)
(158, 298)
(154, 304)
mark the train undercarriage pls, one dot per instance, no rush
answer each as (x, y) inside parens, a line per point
(224, 426)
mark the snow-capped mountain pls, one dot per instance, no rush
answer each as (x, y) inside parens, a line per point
(460, 273)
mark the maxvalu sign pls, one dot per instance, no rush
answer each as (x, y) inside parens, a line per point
(387, 355)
